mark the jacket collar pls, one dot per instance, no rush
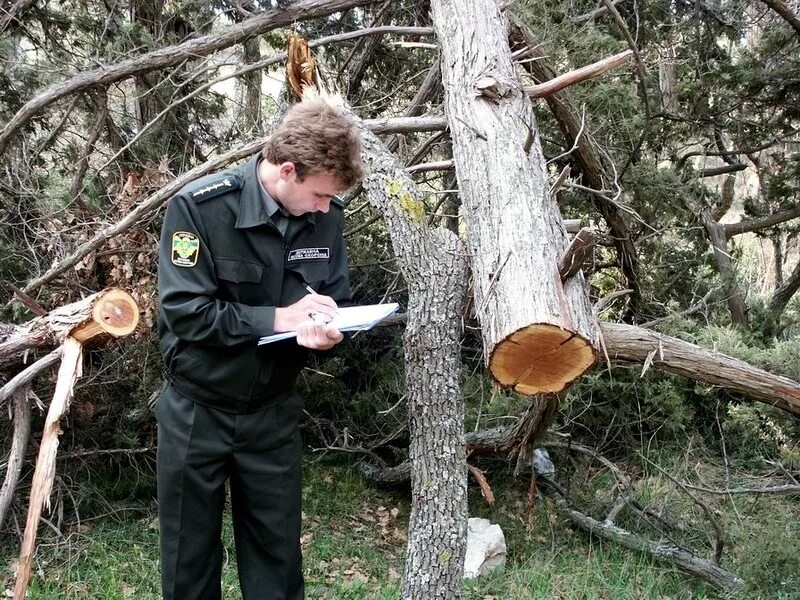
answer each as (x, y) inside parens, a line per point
(253, 209)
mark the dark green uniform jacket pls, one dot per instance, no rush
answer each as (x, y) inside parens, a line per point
(223, 268)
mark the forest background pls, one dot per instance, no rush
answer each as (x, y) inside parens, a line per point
(695, 134)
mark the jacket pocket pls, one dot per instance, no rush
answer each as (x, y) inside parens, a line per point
(240, 281)
(312, 271)
(238, 271)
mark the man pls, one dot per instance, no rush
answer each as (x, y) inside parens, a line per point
(241, 253)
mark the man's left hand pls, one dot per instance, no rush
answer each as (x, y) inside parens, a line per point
(317, 335)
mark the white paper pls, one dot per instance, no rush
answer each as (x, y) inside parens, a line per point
(351, 318)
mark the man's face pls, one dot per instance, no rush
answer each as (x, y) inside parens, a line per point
(313, 194)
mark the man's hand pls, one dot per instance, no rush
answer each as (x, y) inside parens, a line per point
(314, 306)
(317, 335)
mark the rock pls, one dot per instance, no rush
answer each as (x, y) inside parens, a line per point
(486, 548)
(542, 464)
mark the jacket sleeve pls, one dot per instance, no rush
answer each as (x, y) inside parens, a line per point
(187, 293)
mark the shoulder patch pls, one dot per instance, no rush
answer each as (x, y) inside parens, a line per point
(215, 187)
(338, 202)
(185, 249)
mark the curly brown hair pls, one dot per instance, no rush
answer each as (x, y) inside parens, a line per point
(317, 138)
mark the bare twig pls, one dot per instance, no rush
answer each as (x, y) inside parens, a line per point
(720, 541)
(26, 376)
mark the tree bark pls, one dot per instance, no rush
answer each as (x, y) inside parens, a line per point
(588, 161)
(434, 264)
(538, 334)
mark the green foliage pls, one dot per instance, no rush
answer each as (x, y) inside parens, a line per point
(623, 409)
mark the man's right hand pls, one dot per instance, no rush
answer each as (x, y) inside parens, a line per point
(288, 318)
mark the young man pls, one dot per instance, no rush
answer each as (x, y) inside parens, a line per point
(240, 253)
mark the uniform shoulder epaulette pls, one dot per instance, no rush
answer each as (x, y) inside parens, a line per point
(216, 186)
(337, 202)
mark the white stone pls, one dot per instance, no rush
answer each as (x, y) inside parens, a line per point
(542, 464)
(486, 548)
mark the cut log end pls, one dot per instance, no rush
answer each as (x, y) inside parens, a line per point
(541, 358)
(114, 312)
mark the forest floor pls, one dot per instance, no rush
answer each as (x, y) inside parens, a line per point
(354, 541)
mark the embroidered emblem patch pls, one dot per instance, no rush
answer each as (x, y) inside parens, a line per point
(185, 249)
(309, 254)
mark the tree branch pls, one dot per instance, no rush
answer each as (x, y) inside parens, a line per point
(785, 13)
(635, 344)
(551, 86)
(732, 229)
(714, 171)
(173, 55)
(25, 376)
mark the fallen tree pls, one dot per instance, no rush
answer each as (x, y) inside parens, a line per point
(635, 344)
(110, 313)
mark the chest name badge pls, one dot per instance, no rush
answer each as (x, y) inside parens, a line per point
(185, 249)
(310, 254)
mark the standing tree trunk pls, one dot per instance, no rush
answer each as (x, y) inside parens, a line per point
(434, 265)
(726, 268)
(538, 331)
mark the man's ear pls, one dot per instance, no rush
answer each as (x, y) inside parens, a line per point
(287, 170)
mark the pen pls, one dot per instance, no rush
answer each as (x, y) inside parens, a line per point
(309, 288)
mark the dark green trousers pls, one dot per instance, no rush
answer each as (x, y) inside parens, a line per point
(199, 449)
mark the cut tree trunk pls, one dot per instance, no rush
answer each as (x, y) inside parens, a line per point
(112, 312)
(538, 333)
(588, 158)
